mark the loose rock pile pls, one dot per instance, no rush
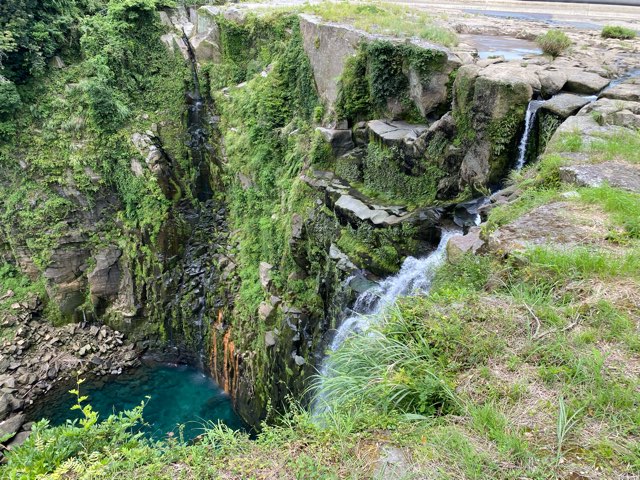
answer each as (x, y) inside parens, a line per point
(34, 356)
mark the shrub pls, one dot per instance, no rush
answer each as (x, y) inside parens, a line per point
(615, 31)
(9, 97)
(554, 42)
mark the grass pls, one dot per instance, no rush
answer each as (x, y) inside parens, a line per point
(619, 146)
(382, 369)
(387, 19)
(616, 31)
(12, 280)
(623, 207)
(565, 425)
(554, 42)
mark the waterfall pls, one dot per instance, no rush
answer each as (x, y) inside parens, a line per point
(530, 116)
(198, 134)
(415, 277)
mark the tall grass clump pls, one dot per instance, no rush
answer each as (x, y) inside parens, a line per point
(554, 42)
(389, 367)
(565, 425)
(616, 31)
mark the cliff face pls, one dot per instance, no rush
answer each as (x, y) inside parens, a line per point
(229, 187)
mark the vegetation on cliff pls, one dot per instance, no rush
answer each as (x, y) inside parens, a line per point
(526, 363)
(519, 364)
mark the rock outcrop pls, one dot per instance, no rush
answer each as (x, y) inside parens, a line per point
(489, 107)
(329, 45)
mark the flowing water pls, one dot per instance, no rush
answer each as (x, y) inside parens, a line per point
(415, 277)
(179, 395)
(529, 118)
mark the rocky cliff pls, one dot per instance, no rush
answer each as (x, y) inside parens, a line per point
(265, 167)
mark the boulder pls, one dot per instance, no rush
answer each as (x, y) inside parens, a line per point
(270, 338)
(104, 279)
(18, 440)
(395, 133)
(489, 109)
(342, 260)
(329, 45)
(175, 43)
(264, 270)
(628, 91)
(56, 62)
(430, 92)
(512, 73)
(460, 245)
(467, 214)
(5, 405)
(579, 81)
(359, 211)
(599, 119)
(615, 174)
(551, 81)
(266, 311)
(12, 424)
(565, 104)
(206, 40)
(340, 140)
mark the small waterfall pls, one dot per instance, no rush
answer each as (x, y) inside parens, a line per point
(530, 116)
(415, 277)
(198, 134)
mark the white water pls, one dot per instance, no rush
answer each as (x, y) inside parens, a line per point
(532, 109)
(415, 277)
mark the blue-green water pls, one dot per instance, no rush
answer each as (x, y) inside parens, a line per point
(179, 395)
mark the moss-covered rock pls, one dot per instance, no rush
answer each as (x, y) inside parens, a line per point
(489, 108)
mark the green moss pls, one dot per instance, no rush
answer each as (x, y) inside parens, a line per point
(350, 167)
(386, 177)
(385, 72)
(268, 135)
(364, 249)
(354, 99)
(464, 88)
(379, 73)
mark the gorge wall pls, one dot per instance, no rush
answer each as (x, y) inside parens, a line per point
(228, 216)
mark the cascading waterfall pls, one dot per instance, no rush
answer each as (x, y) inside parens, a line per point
(415, 277)
(530, 116)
